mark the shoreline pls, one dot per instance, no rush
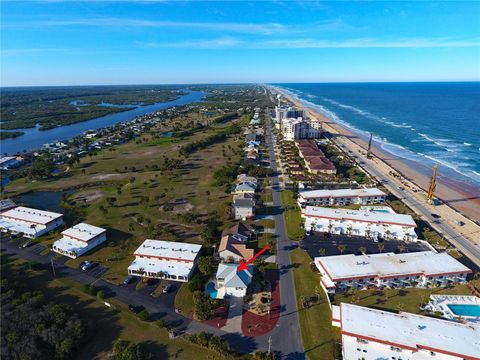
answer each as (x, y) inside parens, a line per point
(458, 203)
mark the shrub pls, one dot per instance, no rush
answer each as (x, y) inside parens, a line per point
(144, 315)
(101, 295)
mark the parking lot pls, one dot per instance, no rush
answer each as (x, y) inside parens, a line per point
(313, 243)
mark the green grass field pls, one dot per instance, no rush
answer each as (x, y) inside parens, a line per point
(318, 335)
(292, 215)
(408, 299)
(140, 190)
(105, 325)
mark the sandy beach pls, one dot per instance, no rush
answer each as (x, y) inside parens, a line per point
(457, 205)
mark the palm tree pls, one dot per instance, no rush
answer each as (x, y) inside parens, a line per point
(401, 248)
(160, 274)
(322, 251)
(363, 249)
(342, 248)
(349, 229)
(387, 234)
(368, 233)
(381, 247)
(330, 226)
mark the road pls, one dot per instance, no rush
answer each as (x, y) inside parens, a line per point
(461, 243)
(287, 339)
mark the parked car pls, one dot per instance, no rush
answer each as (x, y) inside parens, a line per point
(307, 233)
(167, 288)
(25, 244)
(436, 216)
(88, 265)
(128, 280)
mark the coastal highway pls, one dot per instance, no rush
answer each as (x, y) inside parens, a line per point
(286, 337)
(469, 249)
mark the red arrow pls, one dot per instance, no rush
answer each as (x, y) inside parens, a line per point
(243, 264)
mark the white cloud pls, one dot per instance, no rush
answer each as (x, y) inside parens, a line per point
(251, 28)
(368, 43)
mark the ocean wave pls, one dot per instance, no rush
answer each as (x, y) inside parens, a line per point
(448, 154)
(467, 144)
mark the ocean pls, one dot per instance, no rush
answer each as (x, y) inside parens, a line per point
(423, 123)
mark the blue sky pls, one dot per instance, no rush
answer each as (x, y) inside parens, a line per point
(55, 42)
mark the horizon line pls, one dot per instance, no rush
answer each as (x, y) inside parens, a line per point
(249, 83)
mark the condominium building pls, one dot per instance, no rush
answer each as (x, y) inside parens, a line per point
(30, 222)
(418, 269)
(299, 128)
(341, 197)
(315, 161)
(370, 224)
(165, 260)
(370, 334)
(285, 112)
(79, 239)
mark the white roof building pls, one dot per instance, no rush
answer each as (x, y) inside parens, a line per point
(79, 239)
(375, 334)
(232, 282)
(341, 196)
(31, 222)
(165, 259)
(359, 222)
(424, 268)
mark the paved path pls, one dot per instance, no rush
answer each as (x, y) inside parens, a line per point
(234, 321)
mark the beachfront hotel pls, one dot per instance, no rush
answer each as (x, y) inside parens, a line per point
(370, 224)
(341, 197)
(32, 223)
(165, 260)
(419, 269)
(372, 334)
(79, 239)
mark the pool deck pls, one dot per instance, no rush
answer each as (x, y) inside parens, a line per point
(442, 304)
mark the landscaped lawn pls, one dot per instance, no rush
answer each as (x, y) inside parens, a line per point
(140, 190)
(292, 215)
(408, 299)
(105, 325)
(184, 301)
(318, 335)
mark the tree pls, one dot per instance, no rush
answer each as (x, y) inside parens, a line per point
(401, 248)
(322, 251)
(196, 283)
(205, 264)
(363, 250)
(125, 350)
(144, 315)
(111, 201)
(101, 295)
(381, 247)
(204, 305)
(342, 248)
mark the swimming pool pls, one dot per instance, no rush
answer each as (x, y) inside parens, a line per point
(381, 211)
(465, 309)
(211, 290)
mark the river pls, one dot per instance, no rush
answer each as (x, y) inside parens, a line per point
(35, 138)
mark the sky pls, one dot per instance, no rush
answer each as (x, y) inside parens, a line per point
(55, 42)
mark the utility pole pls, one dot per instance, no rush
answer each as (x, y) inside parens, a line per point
(369, 151)
(53, 266)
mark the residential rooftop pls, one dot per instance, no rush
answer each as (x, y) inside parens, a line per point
(411, 331)
(341, 193)
(34, 216)
(83, 232)
(340, 267)
(359, 215)
(168, 249)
